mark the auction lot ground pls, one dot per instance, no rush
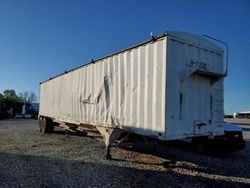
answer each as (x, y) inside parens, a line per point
(31, 159)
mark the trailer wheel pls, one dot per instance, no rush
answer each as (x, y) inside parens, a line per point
(40, 122)
(47, 125)
(200, 145)
(50, 125)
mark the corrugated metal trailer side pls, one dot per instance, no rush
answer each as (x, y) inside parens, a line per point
(170, 87)
(125, 90)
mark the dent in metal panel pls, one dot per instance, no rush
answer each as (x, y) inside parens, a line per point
(91, 102)
(85, 95)
(80, 94)
(103, 99)
(100, 95)
(114, 91)
(93, 91)
(97, 96)
(106, 92)
(108, 84)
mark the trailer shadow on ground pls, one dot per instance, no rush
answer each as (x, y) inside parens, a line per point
(41, 171)
(179, 155)
(245, 129)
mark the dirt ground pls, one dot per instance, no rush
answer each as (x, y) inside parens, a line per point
(31, 159)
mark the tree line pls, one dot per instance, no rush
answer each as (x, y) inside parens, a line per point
(10, 101)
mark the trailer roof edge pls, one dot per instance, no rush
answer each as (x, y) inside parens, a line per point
(153, 39)
(109, 55)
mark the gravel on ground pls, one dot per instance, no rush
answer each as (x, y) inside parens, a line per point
(29, 158)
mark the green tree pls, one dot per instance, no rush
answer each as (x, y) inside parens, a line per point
(11, 95)
(1, 99)
(7, 102)
(1, 106)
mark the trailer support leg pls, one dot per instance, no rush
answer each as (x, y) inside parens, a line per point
(108, 154)
(110, 135)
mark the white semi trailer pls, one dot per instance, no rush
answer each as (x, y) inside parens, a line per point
(168, 88)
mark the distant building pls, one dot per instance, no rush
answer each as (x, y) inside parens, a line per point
(34, 110)
(35, 106)
(228, 116)
(26, 110)
(244, 114)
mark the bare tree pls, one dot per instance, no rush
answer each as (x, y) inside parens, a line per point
(32, 97)
(24, 96)
(28, 97)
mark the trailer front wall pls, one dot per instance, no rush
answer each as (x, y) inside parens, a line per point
(124, 90)
(193, 98)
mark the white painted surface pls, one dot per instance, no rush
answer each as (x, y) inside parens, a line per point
(187, 54)
(139, 89)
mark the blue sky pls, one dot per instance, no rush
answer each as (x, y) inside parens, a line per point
(41, 38)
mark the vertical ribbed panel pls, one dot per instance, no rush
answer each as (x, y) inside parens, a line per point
(126, 85)
(140, 95)
(121, 87)
(146, 87)
(130, 93)
(126, 90)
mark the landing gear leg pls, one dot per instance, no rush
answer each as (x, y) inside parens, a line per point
(109, 136)
(108, 154)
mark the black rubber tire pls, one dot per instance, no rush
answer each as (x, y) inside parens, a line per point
(47, 125)
(50, 125)
(40, 123)
(200, 145)
(44, 125)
